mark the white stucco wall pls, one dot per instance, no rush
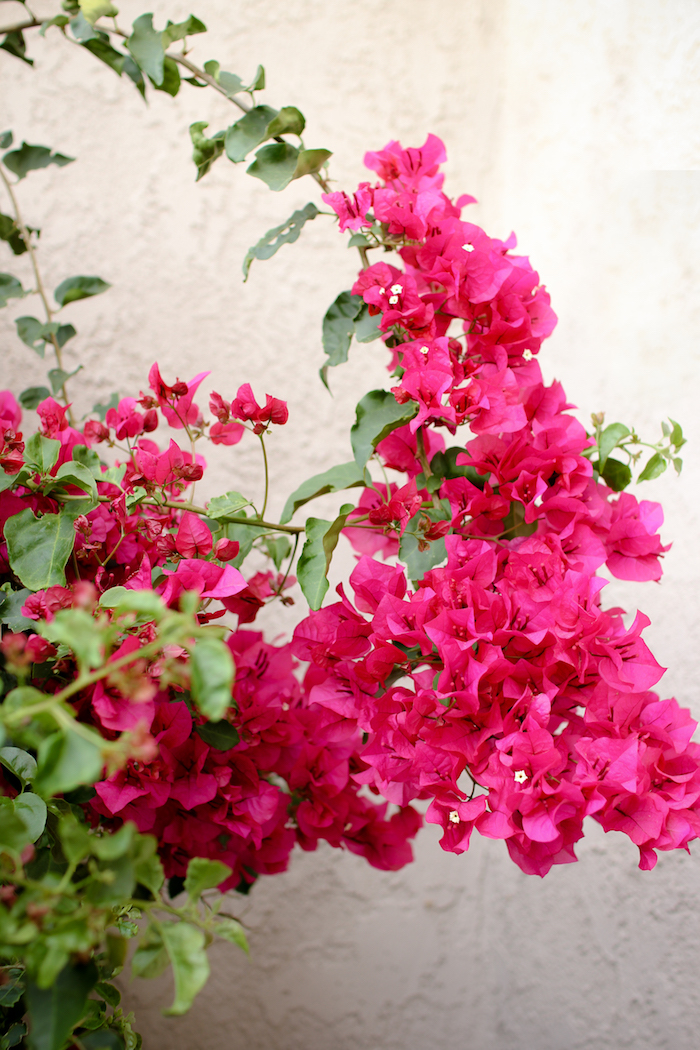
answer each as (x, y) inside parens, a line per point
(576, 124)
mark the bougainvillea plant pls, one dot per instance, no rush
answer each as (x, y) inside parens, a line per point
(155, 744)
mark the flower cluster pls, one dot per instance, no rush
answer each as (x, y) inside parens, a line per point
(497, 687)
(279, 772)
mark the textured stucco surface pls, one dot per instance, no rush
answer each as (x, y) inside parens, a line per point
(574, 124)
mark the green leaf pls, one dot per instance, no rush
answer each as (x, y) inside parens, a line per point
(115, 844)
(171, 77)
(367, 327)
(275, 165)
(203, 874)
(14, 834)
(94, 9)
(57, 20)
(616, 474)
(310, 161)
(185, 947)
(10, 288)
(221, 508)
(345, 476)
(145, 604)
(222, 736)
(179, 30)
(74, 474)
(278, 549)
(11, 993)
(57, 377)
(74, 288)
(289, 121)
(248, 132)
(148, 868)
(66, 760)
(34, 333)
(135, 75)
(83, 31)
(312, 569)
(677, 439)
(101, 409)
(378, 413)
(30, 158)
(64, 333)
(10, 233)
(232, 931)
(259, 80)
(11, 603)
(19, 762)
(205, 151)
(286, 233)
(231, 84)
(31, 809)
(150, 958)
(211, 668)
(147, 47)
(677, 464)
(54, 1011)
(39, 548)
(15, 45)
(111, 995)
(102, 1039)
(339, 327)
(5, 139)
(77, 629)
(418, 562)
(103, 50)
(33, 396)
(75, 841)
(656, 466)
(42, 452)
(609, 440)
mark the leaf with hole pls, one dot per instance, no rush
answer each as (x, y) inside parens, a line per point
(286, 233)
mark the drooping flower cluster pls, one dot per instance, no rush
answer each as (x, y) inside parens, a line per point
(497, 687)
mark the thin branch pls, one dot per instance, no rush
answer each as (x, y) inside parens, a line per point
(24, 232)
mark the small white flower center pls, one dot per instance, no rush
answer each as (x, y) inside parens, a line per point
(382, 291)
(468, 247)
(393, 299)
(425, 351)
(396, 289)
(454, 817)
(528, 355)
(520, 776)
